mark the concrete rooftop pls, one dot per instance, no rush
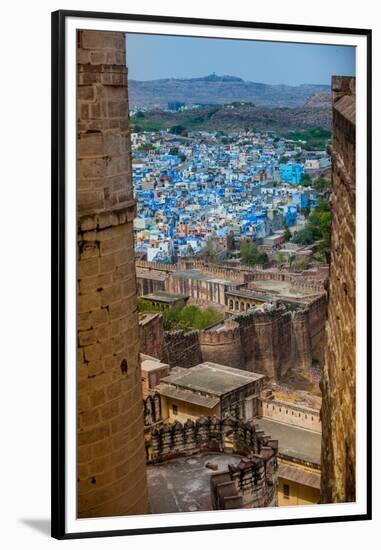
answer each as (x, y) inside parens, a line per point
(198, 275)
(167, 297)
(211, 378)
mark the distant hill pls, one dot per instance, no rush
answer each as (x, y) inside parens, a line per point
(319, 100)
(230, 118)
(218, 90)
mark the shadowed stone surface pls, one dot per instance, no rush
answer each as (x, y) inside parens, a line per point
(183, 484)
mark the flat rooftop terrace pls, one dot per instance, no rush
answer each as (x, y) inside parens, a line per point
(183, 484)
(165, 297)
(211, 378)
(197, 275)
(293, 441)
(282, 288)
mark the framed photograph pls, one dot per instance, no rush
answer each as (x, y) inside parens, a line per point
(211, 189)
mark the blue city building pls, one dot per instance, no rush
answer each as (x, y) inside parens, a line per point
(291, 172)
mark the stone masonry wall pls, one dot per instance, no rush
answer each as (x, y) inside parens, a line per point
(338, 385)
(151, 331)
(266, 336)
(223, 346)
(110, 444)
(182, 349)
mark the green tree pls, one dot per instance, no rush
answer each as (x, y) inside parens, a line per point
(318, 227)
(145, 147)
(178, 130)
(305, 180)
(188, 317)
(251, 255)
(301, 264)
(287, 234)
(280, 257)
(304, 236)
(210, 250)
(321, 184)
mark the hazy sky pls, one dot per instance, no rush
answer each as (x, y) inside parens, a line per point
(151, 57)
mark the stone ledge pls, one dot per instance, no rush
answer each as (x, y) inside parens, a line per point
(107, 218)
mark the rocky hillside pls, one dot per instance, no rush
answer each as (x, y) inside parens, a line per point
(236, 117)
(319, 100)
(219, 90)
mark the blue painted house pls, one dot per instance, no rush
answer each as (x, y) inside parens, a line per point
(291, 172)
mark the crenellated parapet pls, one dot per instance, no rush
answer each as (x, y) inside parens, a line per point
(144, 264)
(220, 337)
(209, 434)
(182, 348)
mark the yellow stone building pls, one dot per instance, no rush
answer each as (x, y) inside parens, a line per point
(210, 389)
(299, 462)
(298, 484)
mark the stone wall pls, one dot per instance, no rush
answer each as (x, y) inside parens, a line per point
(152, 410)
(151, 332)
(249, 484)
(290, 414)
(149, 285)
(270, 340)
(339, 399)
(223, 346)
(317, 318)
(266, 339)
(111, 448)
(182, 349)
(301, 341)
(203, 292)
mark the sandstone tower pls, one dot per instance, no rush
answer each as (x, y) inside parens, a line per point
(110, 452)
(338, 409)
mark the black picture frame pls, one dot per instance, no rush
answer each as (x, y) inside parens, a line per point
(58, 405)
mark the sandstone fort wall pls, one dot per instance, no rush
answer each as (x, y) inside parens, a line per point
(182, 349)
(110, 451)
(151, 334)
(339, 399)
(223, 347)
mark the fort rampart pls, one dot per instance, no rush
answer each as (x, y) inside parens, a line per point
(269, 340)
(182, 348)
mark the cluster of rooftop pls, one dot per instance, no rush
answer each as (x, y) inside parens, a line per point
(207, 187)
